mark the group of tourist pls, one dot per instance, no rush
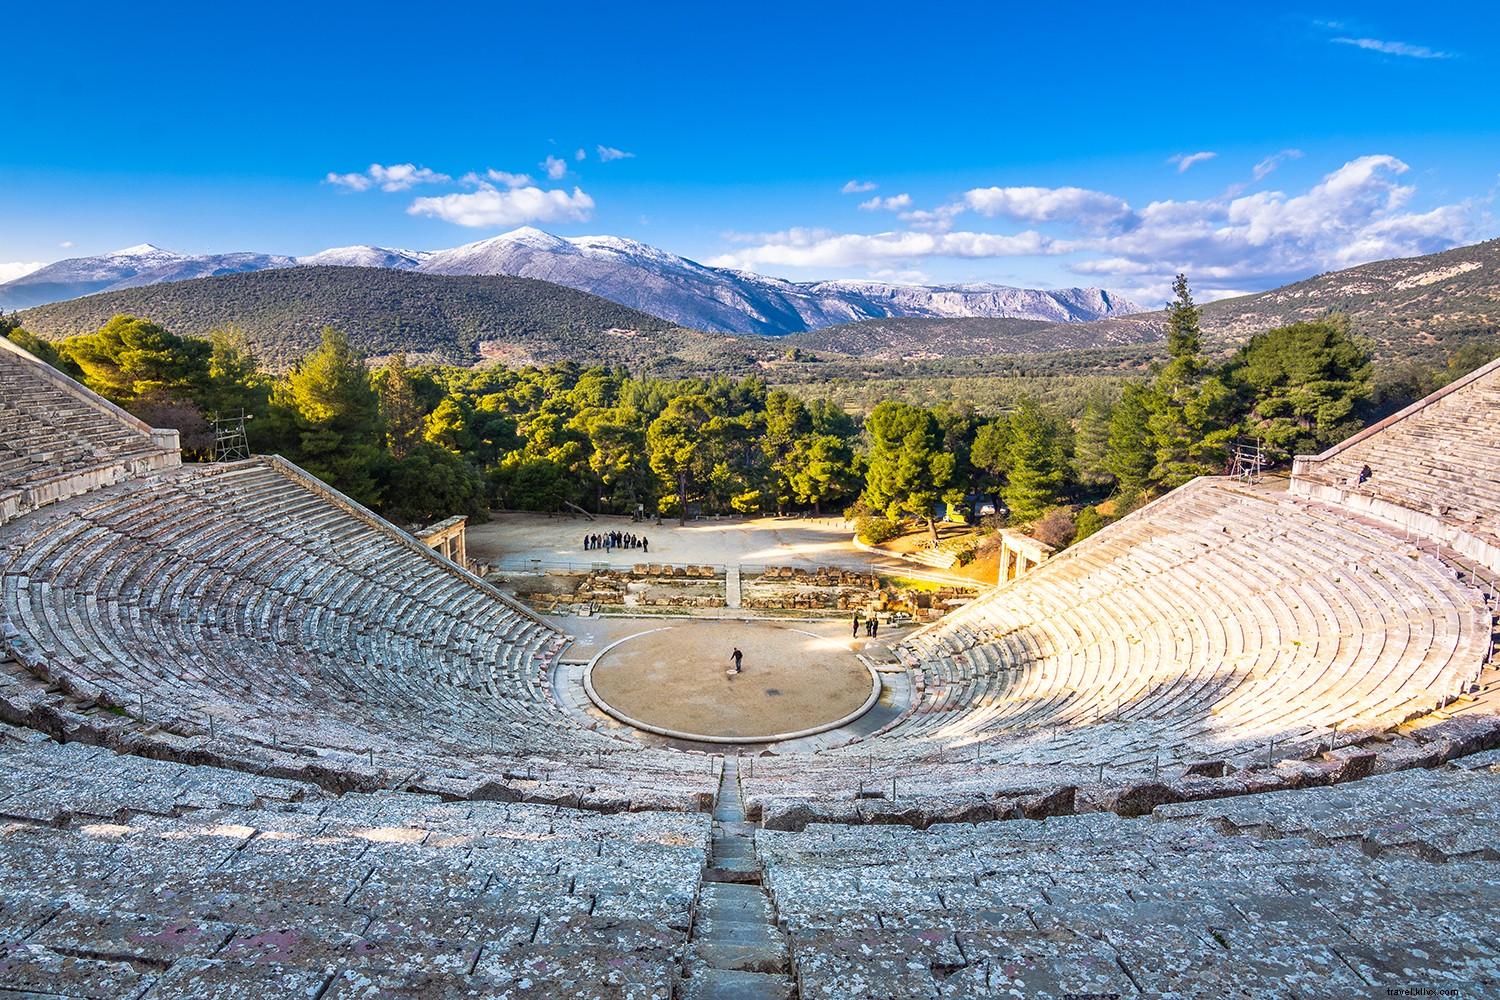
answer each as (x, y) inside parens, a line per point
(610, 540)
(872, 626)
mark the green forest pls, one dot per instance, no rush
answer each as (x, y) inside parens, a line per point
(420, 442)
(448, 319)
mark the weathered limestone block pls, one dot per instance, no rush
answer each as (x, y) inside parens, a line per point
(1058, 802)
(1138, 800)
(795, 814)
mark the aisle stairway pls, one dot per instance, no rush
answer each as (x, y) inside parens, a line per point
(737, 951)
(732, 587)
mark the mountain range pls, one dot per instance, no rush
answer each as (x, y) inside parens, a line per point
(1411, 308)
(1419, 308)
(627, 272)
(449, 319)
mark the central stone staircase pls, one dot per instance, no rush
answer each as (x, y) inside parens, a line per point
(737, 950)
(732, 587)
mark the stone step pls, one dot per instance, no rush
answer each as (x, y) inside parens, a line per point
(733, 847)
(705, 983)
(719, 903)
(767, 955)
(731, 828)
(743, 875)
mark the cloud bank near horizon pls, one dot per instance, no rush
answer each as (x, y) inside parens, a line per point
(1238, 241)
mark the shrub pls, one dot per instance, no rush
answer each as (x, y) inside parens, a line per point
(874, 530)
(748, 502)
(1089, 521)
(1056, 528)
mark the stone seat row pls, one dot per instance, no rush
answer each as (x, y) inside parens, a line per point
(1349, 891)
(202, 602)
(1221, 624)
(1450, 488)
(169, 889)
(1439, 457)
(46, 430)
(1154, 630)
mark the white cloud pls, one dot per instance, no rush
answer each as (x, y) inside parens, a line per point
(1353, 195)
(501, 177)
(902, 276)
(896, 203)
(1186, 160)
(10, 272)
(1091, 209)
(934, 220)
(580, 155)
(1234, 243)
(66, 244)
(354, 182)
(1395, 48)
(608, 153)
(554, 167)
(858, 187)
(814, 248)
(489, 207)
(1270, 163)
(396, 177)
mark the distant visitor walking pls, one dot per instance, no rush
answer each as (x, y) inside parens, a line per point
(736, 656)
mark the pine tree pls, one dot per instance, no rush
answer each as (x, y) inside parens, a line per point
(1190, 412)
(1303, 383)
(1184, 338)
(1038, 462)
(337, 417)
(1091, 445)
(909, 471)
(1132, 454)
(398, 406)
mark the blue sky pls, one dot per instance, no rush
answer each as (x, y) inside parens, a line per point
(1098, 144)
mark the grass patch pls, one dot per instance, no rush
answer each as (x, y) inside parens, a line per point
(912, 583)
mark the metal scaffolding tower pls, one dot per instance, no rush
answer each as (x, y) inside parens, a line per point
(230, 442)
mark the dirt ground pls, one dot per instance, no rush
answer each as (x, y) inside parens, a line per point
(984, 570)
(513, 538)
(678, 677)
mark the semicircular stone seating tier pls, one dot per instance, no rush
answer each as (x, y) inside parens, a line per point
(240, 604)
(119, 872)
(1437, 458)
(1217, 623)
(57, 438)
(131, 877)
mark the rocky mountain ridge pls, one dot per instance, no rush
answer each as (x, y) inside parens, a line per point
(625, 271)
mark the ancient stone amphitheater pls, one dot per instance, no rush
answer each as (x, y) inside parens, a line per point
(258, 743)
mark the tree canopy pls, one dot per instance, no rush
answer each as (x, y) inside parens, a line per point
(420, 442)
(1303, 384)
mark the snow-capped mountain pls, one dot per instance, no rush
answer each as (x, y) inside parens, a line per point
(364, 256)
(625, 271)
(68, 279)
(727, 301)
(184, 268)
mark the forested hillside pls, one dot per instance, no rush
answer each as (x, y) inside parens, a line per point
(1415, 309)
(457, 319)
(419, 442)
(908, 338)
(1420, 309)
